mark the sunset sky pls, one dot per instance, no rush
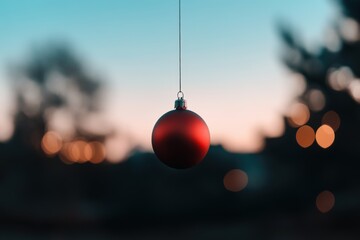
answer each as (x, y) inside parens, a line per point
(232, 73)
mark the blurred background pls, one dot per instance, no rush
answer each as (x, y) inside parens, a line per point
(83, 83)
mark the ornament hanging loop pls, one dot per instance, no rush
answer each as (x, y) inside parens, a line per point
(180, 95)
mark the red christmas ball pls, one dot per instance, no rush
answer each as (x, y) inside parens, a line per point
(180, 137)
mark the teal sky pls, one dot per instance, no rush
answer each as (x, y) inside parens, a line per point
(232, 75)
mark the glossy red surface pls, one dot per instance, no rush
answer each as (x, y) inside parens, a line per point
(180, 139)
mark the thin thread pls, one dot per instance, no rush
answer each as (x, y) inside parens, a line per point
(180, 46)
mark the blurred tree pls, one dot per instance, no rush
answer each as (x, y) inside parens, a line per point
(55, 92)
(318, 157)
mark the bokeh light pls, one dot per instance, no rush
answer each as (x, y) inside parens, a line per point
(235, 180)
(97, 152)
(88, 151)
(349, 29)
(299, 115)
(339, 79)
(305, 136)
(80, 151)
(325, 201)
(51, 143)
(77, 151)
(332, 119)
(316, 100)
(63, 154)
(300, 83)
(354, 89)
(325, 136)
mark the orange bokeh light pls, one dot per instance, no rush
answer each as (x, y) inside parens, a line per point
(76, 151)
(325, 201)
(64, 153)
(305, 136)
(332, 119)
(325, 136)
(88, 152)
(235, 180)
(51, 143)
(80, 151)
(96, 152)
(299, 115)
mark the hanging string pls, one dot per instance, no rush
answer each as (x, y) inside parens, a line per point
(180, 94)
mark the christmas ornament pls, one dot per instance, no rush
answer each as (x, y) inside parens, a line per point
(180, 137)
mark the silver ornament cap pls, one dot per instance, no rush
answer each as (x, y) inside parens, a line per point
(180, 104)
